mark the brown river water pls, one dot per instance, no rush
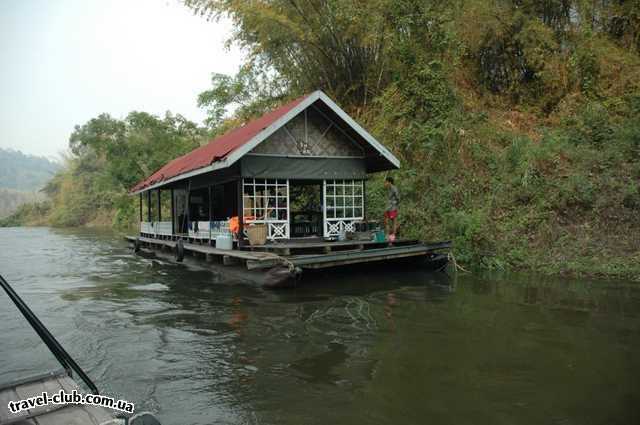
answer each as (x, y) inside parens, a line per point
(402, 347)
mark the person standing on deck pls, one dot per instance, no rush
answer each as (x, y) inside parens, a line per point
(391, 213)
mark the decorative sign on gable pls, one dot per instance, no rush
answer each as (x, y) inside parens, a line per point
(310, 133)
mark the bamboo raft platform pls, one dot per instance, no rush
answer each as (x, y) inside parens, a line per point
(311, 254)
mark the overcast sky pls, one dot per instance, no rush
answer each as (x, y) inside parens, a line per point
(66, 61)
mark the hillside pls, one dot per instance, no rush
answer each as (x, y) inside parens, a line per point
(517, 122)
(21, 178)
(26, 173)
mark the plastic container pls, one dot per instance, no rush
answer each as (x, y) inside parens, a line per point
(224, 241)
(378, 236)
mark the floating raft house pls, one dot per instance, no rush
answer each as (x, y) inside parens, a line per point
(299, 171)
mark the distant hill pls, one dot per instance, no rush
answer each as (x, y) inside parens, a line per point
(11, 199)
(25, 173)
(21, 178)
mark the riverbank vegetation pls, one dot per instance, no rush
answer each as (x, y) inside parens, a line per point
(517, 122)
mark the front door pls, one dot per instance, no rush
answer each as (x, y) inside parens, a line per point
(305, 208)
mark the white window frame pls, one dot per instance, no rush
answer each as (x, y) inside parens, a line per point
(339, 191)
(277, 228)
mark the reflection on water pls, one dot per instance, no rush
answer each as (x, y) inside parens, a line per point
(402, 347)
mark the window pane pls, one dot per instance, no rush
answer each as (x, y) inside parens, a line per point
(247, 202)
(357, 212)
(340, 213)
(282, 214)
(348, 201)
(358, 189)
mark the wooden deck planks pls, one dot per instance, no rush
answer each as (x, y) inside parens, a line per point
(349, 252)
(329, 244)
(206, 249)
(358, 256)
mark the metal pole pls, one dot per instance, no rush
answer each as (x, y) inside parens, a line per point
(364, 201)
(188, 206)
(148, 205)
(58, 351)
(210, 213)
(240, 213)
(173, 215)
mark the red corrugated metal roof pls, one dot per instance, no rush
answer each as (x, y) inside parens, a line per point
(217, 149)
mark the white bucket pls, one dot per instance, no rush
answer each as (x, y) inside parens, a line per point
(224, 241)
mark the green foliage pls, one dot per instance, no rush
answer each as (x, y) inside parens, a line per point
(109, 156)
(252, 91)
(32, 213)
(631, 198)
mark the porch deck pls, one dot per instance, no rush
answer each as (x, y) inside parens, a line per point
(305, 254)
(319, 245)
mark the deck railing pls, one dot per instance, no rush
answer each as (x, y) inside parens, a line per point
(208, 229)
(146, 227)
(276, 229)
(338, 226)
(162, 228)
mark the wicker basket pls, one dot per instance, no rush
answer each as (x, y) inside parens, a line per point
(257, 234)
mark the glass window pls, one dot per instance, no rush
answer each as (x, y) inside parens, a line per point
(266, 200)
(344, 199)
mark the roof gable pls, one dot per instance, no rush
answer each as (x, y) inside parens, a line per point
(310, 134)
(225, 150)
